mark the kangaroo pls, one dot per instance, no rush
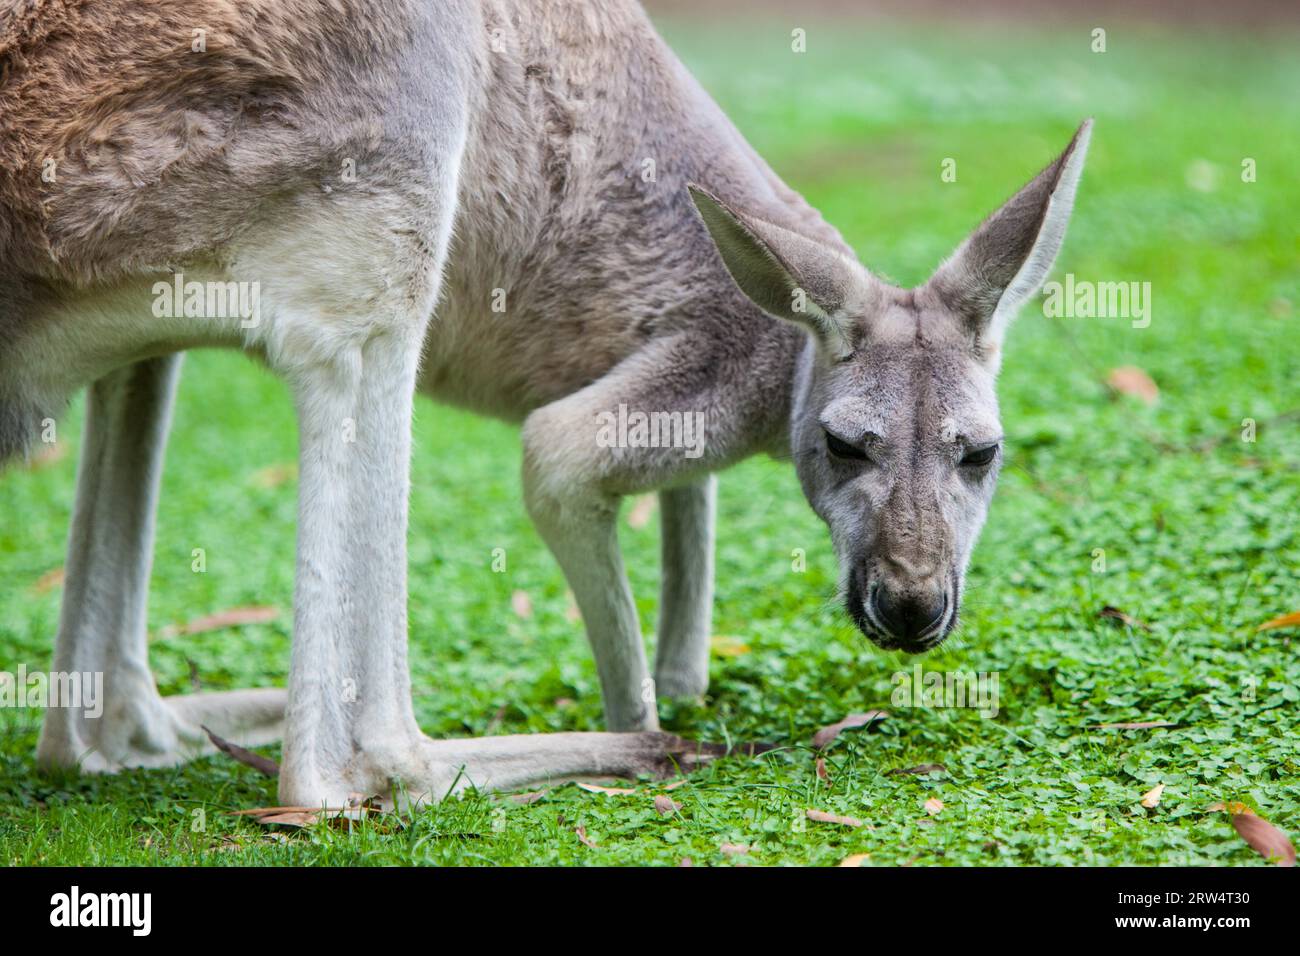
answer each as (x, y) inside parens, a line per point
(453, 196)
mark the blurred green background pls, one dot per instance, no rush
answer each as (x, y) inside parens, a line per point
(1198, 527)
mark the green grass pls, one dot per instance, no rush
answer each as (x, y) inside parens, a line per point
(1200, 539)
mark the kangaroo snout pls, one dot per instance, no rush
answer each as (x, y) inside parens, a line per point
(904, 615)
(913, 617)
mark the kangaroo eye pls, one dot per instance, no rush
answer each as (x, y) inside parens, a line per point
(980, 457)
(842, 449)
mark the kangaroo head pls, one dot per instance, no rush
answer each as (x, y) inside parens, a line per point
(895, 428)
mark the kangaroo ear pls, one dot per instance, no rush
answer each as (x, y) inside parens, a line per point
(786, 274)
(1008, 258)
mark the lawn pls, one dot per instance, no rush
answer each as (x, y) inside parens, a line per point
(1160, 510)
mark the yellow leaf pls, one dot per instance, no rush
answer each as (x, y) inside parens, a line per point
(1286, 620)
(1151, 799)
(1235, 806)
(723, 646)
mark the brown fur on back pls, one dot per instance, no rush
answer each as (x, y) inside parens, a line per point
(166, 157)
(160, 151)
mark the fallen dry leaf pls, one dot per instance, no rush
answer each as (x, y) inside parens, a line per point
(597, 788)
(50, 454)
(686, 861)
(495, 721)
(642, 508)
(291, 818)
(923, 768)
(666, 805)
(521, 604)
(582, 835)
(306, 816)
(49, 581)
(1266, 840)
(1151, 799)
(524, 799)
(235, 617)
(857, 859)
(264, 811)
(829, 733)
(676, 783)
(1234, 807)
(822, 772)
(724, 646)
(934, 806)
(821, 816)
(734, 849)
(273, 476)
(1286, 620)
(1137, 725)
(263, 765)
(1131, 380)
(1115, 614)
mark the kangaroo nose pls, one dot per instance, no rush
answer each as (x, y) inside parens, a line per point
(908, 616)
